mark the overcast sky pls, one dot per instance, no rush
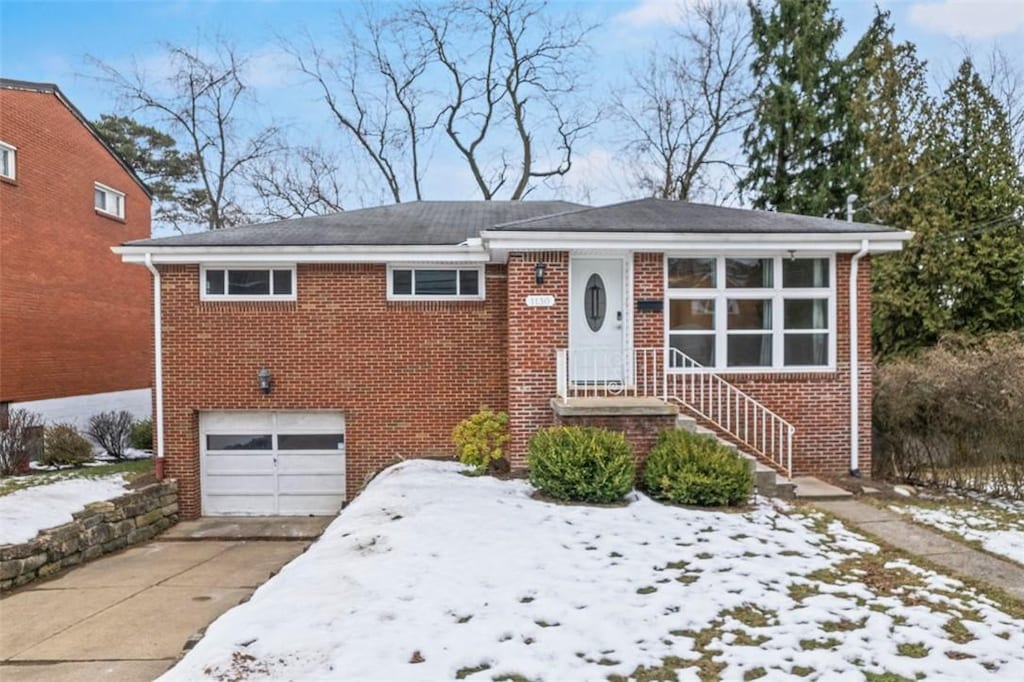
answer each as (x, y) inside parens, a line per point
(47, 41)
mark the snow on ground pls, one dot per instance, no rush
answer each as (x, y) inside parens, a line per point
(24, 513)
(997, 524)
(432, 575)
(77, 409)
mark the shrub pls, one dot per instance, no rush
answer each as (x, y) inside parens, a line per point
(687, 468)
(142, 434)
(112, 430)
(952, 416)
(64, 445)
(581, 464)
(481, 439)
(19, 441)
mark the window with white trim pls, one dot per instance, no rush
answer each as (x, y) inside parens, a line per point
(752, 313)
(248, 284)
(8, 161)
(435, 283)
(108, 200)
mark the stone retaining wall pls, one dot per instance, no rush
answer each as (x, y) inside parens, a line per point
(100, 528)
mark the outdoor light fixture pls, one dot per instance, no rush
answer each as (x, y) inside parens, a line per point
(264, 378)
(538, 272)
(792, 254)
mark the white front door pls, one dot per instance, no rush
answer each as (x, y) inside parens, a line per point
(272, 463)
(596, 321)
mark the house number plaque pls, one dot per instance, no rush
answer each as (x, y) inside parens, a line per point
(540, 301)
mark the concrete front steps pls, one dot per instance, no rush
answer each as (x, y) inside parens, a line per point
(767, 481)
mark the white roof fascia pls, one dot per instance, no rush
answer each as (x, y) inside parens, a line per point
(879, 242)
(304, 254)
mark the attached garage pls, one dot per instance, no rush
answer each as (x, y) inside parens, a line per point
(272, 463)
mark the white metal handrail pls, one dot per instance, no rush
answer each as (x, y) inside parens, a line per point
(673, 376)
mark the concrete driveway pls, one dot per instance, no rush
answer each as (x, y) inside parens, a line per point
(128, 616)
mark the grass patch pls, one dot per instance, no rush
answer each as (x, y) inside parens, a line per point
(958, 632)
(755, 674)
(815, 644)
(752, 616)
(912, 649)
(131, 468)
(463, 673)
(885, 677)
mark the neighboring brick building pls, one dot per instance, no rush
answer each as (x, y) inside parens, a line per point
(300, 357)
(73, 319)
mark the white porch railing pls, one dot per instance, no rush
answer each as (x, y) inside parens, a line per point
(644, 373)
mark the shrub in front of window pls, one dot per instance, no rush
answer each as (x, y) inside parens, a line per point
(65, 446)
(112, 431)
(142, 434)
(687, 468)
(19, 441)
(480, 440)
(581, 464)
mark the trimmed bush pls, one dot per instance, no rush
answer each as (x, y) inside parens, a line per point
(686, 468)
(481, 439)
(142, 434)
(581, 464)
(112, 430)
(64, 445)
(19, 441)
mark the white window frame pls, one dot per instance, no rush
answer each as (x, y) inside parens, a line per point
(13, 155)
(109, 191)
(203, 296)
(720, 294)
(479, 269)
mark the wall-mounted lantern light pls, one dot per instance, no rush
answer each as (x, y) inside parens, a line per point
(264, 379)
(538, 272)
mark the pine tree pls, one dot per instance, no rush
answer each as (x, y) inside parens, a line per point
(791, 143)
(946, 172)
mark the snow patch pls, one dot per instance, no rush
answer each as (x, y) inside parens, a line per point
(24, 513)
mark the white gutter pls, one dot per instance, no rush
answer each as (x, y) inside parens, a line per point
(159, 364)
(855, 362)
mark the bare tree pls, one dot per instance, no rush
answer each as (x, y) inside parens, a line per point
(503, 80)
(681, 109)
(1005, 76)
(200, 101)
(373, 92)
(515, 81)
(297, 182)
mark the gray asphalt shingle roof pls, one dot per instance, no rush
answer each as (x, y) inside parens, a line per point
(668, 216)
(417, 223)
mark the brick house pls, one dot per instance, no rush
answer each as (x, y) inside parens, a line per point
(73, 319)
(297, 358)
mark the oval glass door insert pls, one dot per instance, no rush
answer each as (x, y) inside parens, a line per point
(595, 301)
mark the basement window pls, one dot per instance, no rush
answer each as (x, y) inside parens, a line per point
(248, 284)
(435, 284)
(8, 154)
(108, 200)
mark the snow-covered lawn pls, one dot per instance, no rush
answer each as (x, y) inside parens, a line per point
(24, 513)
(996, 524)
(432, 575)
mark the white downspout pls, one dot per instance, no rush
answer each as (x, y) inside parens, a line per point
(159, 366)
(854, 363)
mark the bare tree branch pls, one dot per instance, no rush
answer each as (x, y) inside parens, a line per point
(681, 108)
(301, 181)
(198, 101)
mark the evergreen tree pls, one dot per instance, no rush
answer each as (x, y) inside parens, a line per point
(946, 172)
(155, 157)
(792, 141)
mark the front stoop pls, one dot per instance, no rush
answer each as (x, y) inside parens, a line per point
(767, 481)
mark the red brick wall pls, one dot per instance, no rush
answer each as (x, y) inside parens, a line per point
(404, 373)
(73, 318)
(816, 403)
(641, 431)
(534, 335)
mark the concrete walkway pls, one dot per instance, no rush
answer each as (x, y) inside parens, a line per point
(127, 616)
(936, 548)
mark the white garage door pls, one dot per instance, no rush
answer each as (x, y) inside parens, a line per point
(268, 463)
